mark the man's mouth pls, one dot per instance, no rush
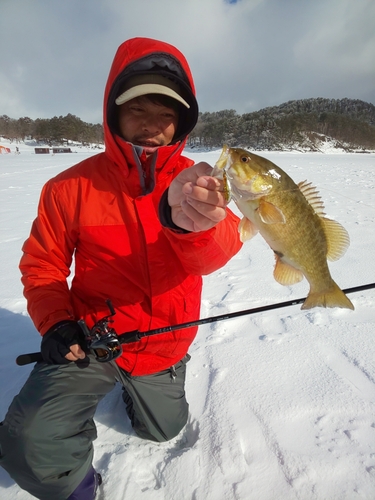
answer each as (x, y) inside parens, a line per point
(148, 143)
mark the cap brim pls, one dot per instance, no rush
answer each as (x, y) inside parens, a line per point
(149, 88)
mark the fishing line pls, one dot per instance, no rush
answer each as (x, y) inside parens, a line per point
(348, 198)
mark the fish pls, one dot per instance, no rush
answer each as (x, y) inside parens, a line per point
(291, 219)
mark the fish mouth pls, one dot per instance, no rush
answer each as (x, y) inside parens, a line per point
(223, 164)
(235, 188)
(220, 171)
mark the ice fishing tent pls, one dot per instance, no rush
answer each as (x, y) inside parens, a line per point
(41, 151)
(4, 150)
(61, 150)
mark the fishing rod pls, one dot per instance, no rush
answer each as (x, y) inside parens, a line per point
(106, 343)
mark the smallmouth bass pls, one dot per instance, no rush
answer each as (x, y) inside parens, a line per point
(291, 219)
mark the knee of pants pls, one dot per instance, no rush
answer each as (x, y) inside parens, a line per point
(173, 431)
(35, 433)
(14, 449)
(15, 438)
(161, 431)
(143, 433)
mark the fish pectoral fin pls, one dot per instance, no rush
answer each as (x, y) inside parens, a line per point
(246, 229)
(285, 274)
(269, 213)
(337, 237)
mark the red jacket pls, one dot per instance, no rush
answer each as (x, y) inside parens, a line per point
(98, 211)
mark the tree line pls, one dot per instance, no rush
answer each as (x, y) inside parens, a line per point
(303, 123)
(295, 124)
(51, 131)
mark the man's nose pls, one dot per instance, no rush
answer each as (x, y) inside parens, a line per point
(151, 124)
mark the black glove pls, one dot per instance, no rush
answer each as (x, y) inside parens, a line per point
(57, 341)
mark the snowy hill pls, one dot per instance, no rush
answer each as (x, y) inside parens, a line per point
(302, 125)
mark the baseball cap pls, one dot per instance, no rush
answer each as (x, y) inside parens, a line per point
(140, 85)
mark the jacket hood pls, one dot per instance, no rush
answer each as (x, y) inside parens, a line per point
(139, 56)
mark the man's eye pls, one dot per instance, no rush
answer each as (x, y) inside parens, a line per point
(136, 109)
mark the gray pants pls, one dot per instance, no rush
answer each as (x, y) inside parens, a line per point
(46, 437)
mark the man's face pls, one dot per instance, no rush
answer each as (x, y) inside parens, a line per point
(147, 124)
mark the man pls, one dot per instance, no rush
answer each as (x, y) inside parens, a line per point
(144, 224)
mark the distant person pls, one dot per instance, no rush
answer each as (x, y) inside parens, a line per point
(17, 151)
(144, 224)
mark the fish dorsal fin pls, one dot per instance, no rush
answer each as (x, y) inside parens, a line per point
(312, 196)
(286, 274)
(246, 229)
(337, 237)
(269, 213)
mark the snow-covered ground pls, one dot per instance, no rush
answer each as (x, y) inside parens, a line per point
(282, 404)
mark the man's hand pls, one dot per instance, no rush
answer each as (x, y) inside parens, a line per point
(63, 343)
(197, 201)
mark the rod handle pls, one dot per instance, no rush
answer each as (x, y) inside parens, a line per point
(31, 357)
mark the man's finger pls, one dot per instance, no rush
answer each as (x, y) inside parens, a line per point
(210, 183)
(204, 195)
(203, 215)
(76, 352)
(203, 168)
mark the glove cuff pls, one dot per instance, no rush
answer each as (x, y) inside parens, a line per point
(60, 324)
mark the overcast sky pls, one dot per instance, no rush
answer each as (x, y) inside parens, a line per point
(244, 54)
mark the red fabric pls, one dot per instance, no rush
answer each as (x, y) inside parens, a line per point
(96, 210)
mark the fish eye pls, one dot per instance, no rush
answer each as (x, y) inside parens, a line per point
(245, 159)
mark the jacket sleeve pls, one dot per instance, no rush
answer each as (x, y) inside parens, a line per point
(45, 264)
(204, 252)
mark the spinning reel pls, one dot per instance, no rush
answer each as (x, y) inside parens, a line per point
(103, 340)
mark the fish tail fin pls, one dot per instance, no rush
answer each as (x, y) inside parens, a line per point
(330, 297)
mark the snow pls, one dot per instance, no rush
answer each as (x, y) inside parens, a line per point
(282, 403)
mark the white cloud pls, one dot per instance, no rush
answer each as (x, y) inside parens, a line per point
(345, 38)
(244, 55)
